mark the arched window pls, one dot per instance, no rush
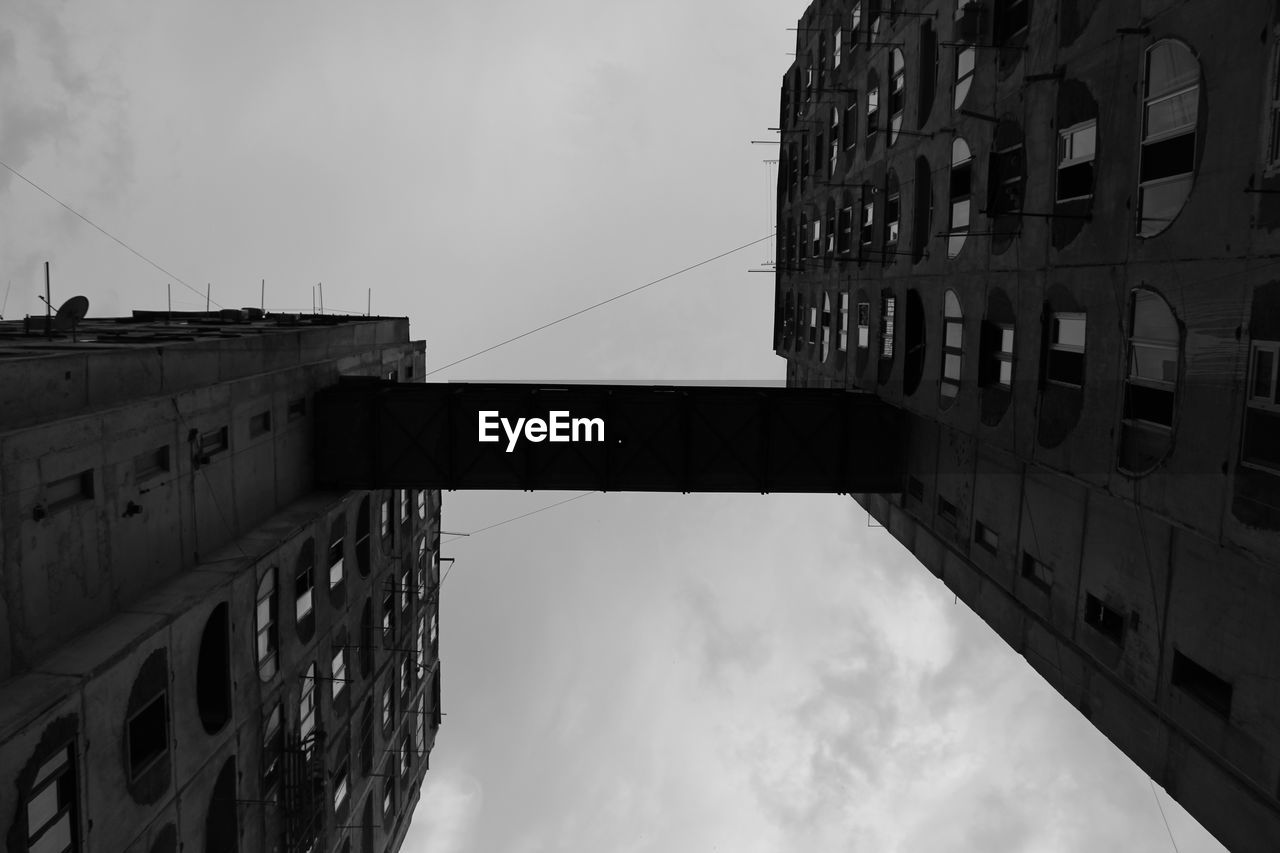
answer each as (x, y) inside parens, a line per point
(835, 142)
(337, 536)
(851, 127)
(304, 589)
(952, 347)
(362, 537)
(1006, 180)
(1151, 384)
(965, 59)
(826, 325)
(897, 93)
(268, 640)
(926, 74)
(1171, 100)
(961, 161)
(873, 106)
(307, 703)
(213, 671)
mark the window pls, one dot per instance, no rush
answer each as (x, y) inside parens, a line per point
(268, 641)
(404, 589)
(67, 491)
(421, 497)
(1259, 448)
(1171, 100)
(897, 89)
(831, 232)
(213, 441)
(813, 324)
(1066, 349)
(826, 326)
(422, 643)
(867, 233)
(389, 793)
(815, 237)
(804, 163)
(892, 210)
(339, 669)
(1191, 677)
(434, 633)
(1077, 146)
(419, 581)
(1103, 619)
(855, 26)
(927, 73)
(946, 511)
(952, 346)
(1011, 18)
(986, 537)
(1036, 572)
(842, 343)
(851, 125)
(340, 789)
(965, 57)
(151, 464)
(362, 537)
(1006, 175)
(835, 48)
(961, 161)
(864, 325)
(403, 495)
(297, 408)
(1002, 358)
(835, 142)
(388, 703)
(845, 242)
(385, 505)
(272, 748)
(147, 735)
(915, 489)
(52, 823)
(886, 326)
(1271, 155)
(260, 424)
(305, 581)
(922, 215)
(406, 684)
(307, 703)
(1153, 360)
(419, 728)
(337, 533)
(873, 105)
(388, 617)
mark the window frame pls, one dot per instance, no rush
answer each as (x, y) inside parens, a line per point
(842, 341)
(61, 779)
(1066, 139)
(1148, 138)
(1055, 345)
(271, 598)
(949, 382)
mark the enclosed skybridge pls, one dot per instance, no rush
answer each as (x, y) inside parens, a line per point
(612, 438)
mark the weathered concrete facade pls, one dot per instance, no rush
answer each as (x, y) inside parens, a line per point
(197, 648)
(1053, 240)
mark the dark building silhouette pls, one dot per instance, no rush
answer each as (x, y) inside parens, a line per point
(198, 649)
(1048, 231)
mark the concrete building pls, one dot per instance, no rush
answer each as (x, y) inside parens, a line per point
(1049, 230)
(198, 650)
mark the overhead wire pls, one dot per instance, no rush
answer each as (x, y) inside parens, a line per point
(599, 304)
(104, 231)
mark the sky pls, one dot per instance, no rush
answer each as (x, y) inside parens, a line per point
(624, 672)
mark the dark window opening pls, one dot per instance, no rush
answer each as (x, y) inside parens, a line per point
(1193, 678)
(362, 537)
(147, 735)
(922, 213)
(1037, 572)
(1065, 362)
(946, 511)
(272, 749)
(70, 490)
(259, 424)
(986, 537)
(221, 832)
(213, 671)
(366, 738)
(297, 408)
(151, 464)
(1103, 619)
(213, 441)
(915, 489)
(366, 638)
(51, 808)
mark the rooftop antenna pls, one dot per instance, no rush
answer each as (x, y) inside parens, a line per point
(70, 314)
(321, 286)
(368, 306)
(6, 299)
(262, 301)
(208, 289)
(48, 306)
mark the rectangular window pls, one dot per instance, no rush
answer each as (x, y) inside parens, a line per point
(272, 749)
(388, 691)
(886, 327)
(816, 238)
(946, 510)
(835, 48)
(307, 703)
(297, 408)
(867, 232)
(1260, 447)
(51, 807)
(843, 343)
(891, 215)
(915, 489)
(1066, 349)
(851, 124)
(153, 463)
(388, 618)
(864, 325)
(845, 243)
(1037, 572)
(986, 537)
(147, 735)
(70, 490)
(831, 236)
(873, 110)
(1004, 357)
(1103, 619)
(260, 424)
(1076, 148)
(1191, 677)
(1271, 156)
(339, 670)
(340, 789)
(404, 504)
(386, 516)
(213, 441)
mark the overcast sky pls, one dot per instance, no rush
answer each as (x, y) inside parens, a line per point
(625, 672)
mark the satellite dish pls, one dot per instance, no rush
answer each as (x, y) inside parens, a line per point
(72, 312)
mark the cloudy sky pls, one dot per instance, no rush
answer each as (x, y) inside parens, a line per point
(624, 672)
